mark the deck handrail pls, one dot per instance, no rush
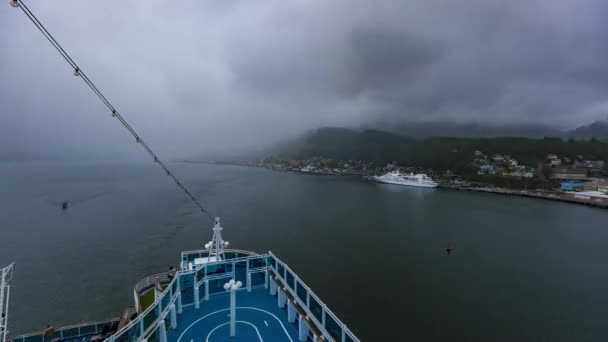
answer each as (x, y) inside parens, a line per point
(310, 317)
(162, 315)
(163, 277)
(294, 294)
(165, 311)
(73, 326)
(151, 280)
(206, 252)
(312, 327)
(141, 316)
(143, 329)
(148, 281)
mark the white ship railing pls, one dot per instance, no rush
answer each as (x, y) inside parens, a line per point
(163, 278)
(155, 321)
(150, 281)
(321, 322)
(145, 284)
(70, 331)
(6, 274)
(230, 254)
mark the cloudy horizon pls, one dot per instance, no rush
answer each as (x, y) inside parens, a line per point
(208, 77)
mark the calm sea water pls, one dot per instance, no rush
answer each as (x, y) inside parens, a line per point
(522, 269)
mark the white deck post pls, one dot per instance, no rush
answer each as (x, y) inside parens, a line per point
(323, 320)
(206, 289)
(141, 327)
(302, 330)
(291, 312)
(281, 299)
(273, 288)
(162, 331)
(173, 317)
(248, 278)
(196, 296)
(179, 297)
(266, 279)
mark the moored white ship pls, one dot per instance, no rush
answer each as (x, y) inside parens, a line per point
(419, 180)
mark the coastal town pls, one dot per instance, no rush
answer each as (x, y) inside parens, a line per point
(577, 180)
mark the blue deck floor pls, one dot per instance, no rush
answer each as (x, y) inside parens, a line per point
(257, 314)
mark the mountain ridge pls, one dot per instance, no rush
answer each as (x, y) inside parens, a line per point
(597, 129)
(440, 153)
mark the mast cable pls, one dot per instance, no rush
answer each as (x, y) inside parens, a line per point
(79, 73)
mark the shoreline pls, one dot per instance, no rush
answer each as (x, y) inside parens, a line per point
(595, 202)
(544, 195)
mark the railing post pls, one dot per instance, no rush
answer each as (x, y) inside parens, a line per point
(266, 276)
(308, 298)
(323, 308)
(273, 288)
(141, 327)
(179, 297)
(162, 331)
(281, 299)
(180, 309)
(248, 279)
(291, 312)
(196, 296)
(207, 289)
(173, 317)
(302, 329)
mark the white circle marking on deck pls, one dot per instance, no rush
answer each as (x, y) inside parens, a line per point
(221, 325)
(243, 307)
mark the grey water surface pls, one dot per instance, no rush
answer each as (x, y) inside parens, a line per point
(521, 270)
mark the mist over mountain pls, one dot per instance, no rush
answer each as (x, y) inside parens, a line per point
(597, 129)
(338, 142)
(440, 151)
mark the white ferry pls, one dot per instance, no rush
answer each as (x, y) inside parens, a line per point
(419, 180)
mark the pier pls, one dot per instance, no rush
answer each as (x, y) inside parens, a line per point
(540, 194)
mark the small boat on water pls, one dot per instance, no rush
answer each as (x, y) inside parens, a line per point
(395, 177)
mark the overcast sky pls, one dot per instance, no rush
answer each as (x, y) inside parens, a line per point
(196, 77)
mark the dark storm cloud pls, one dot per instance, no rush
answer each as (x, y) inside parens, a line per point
(381, 58)
(214, 76)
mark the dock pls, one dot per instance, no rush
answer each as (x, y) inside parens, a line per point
(596, 202)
